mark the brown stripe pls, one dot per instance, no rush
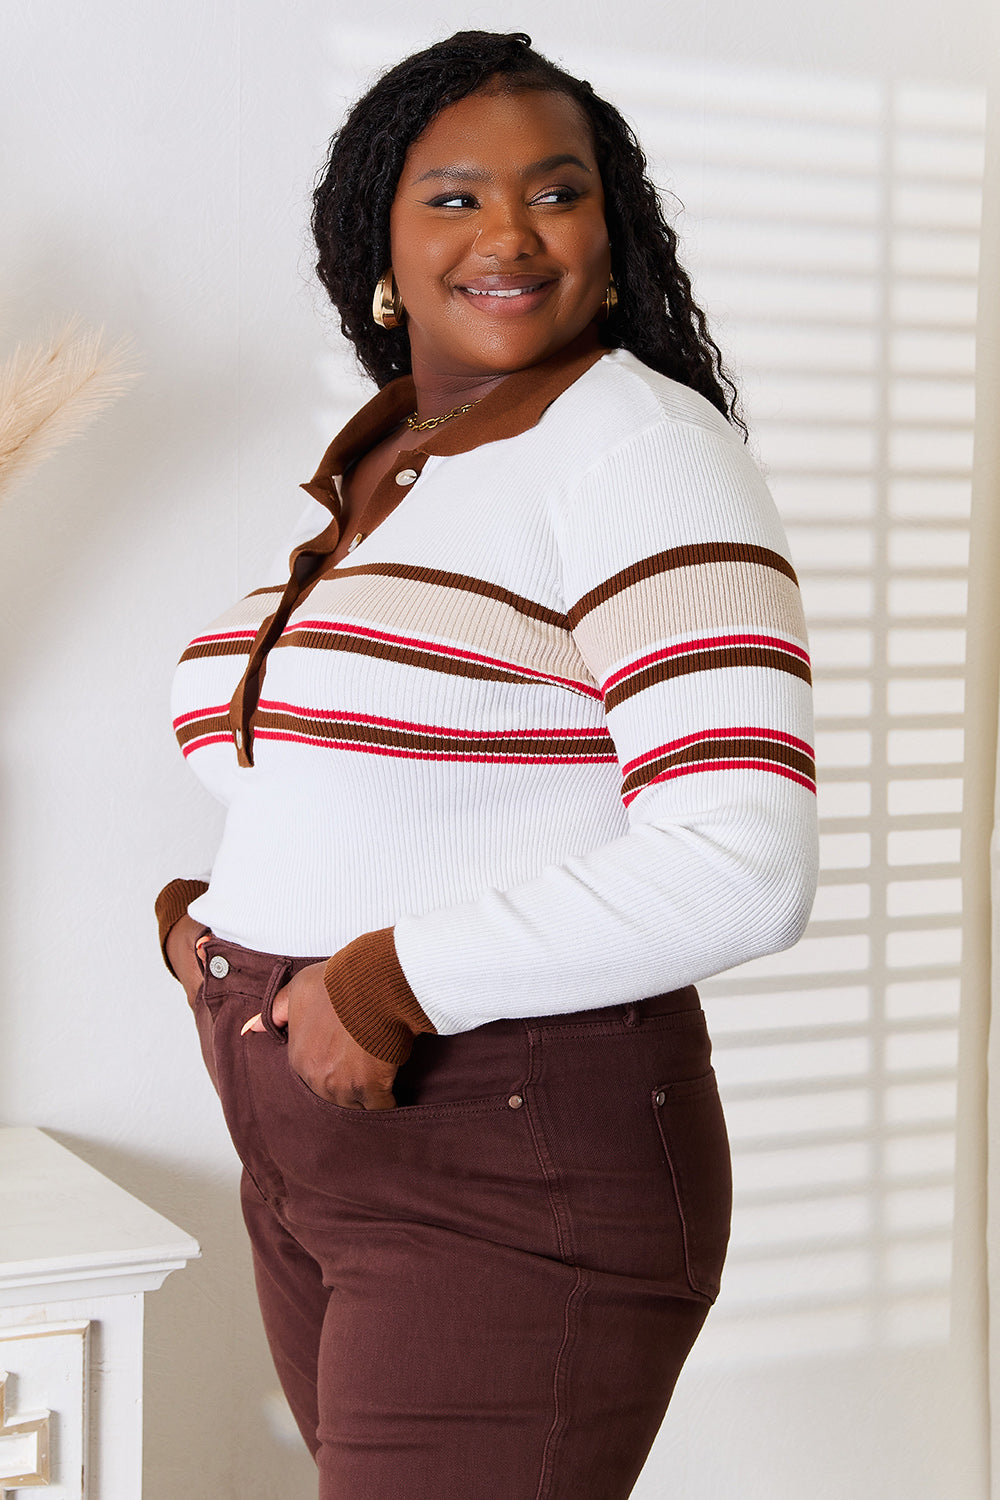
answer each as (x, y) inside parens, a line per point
(434, 744)
(416, 574)
(217, 648)
(452, 666)
(271, 588)
(695, 555)
(706, 661)
(722, 749)
(195, 728)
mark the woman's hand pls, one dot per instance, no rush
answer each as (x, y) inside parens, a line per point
(182, 947)
(321, 1049)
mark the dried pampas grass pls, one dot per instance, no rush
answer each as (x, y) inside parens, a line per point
(50, 393)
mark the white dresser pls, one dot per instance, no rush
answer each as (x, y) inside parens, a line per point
(77, 1256)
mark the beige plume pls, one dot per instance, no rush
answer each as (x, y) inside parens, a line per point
(49, 393)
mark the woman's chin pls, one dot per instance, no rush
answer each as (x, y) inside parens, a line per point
(488, 343)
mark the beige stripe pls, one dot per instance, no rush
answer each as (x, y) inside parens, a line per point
(460, 581)
(438, 613)
(725, 599)
(247, 614)
(694, 554)
(408, 656)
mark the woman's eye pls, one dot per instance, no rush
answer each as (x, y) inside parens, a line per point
(557, 195)
(453, 200)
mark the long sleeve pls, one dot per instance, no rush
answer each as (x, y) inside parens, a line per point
(685, 608)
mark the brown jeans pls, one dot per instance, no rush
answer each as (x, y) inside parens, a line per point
(490, 1290)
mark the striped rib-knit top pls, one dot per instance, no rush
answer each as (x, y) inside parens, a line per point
(545, 734)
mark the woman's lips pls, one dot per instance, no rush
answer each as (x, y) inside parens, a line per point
(506, 296)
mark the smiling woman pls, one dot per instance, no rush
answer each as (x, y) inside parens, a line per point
(525, 768)
(499, 244)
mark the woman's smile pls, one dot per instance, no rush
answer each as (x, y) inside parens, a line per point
(499, 245)
(507, 296)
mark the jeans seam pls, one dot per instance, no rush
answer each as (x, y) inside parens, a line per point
(557, 1204)
(560, 1412)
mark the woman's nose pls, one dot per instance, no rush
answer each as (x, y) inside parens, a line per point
(506, 231)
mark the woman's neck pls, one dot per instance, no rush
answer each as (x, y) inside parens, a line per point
(439, 391)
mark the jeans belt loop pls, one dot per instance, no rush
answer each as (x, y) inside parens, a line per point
(279, 976)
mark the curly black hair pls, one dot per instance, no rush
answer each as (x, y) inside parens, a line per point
(656, 318)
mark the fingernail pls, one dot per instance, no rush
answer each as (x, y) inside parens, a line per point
(250, 1024)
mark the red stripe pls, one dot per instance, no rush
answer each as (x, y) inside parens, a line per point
(515, 760)
(333, 715)
(330, 627)
(723, 765)
(742, 733)
(208, 739)
(709, 643)
(201, 713)
(224, 635)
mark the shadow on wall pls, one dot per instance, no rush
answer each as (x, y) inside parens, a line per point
(835, 228)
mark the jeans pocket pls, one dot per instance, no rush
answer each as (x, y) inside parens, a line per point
(696, 1146)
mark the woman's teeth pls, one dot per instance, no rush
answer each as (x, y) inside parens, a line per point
(517, 291)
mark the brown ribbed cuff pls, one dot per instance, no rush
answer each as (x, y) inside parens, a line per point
(172, 904)
(370, 994)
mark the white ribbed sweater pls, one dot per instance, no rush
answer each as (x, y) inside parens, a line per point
(550, 722)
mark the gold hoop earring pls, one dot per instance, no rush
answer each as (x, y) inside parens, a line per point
(387, 305)
(610, 298)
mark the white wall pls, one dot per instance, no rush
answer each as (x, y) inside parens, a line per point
(158, 162)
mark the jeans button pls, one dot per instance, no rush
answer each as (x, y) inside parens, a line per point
(218, 966)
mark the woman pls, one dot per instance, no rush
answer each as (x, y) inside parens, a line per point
(517, 753)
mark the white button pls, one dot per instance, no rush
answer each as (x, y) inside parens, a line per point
(406, 476)
(219, 966)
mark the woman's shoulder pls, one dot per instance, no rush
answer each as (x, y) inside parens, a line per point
(619, 399)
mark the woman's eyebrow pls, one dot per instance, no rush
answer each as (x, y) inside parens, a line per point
(472, 174)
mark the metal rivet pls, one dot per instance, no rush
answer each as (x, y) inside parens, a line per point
(406, 476)
(659, 1098)
(218, 966)
(515, 1101)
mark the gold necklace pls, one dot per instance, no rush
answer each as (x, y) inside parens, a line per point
(416, 426)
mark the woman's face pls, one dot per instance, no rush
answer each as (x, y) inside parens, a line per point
(499, 245)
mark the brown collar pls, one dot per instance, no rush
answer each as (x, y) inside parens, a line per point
(510, 408)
